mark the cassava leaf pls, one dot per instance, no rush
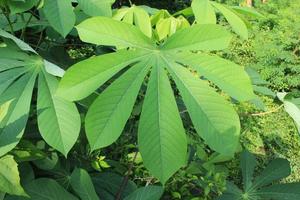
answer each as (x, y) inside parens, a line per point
(199, 37)
(161, 136)
(109, 113)
(204, 12)
(214, 119)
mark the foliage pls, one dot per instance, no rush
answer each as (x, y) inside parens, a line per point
(259, 187)
(107, 99)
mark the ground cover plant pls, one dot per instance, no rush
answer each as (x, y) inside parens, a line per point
(145, 100)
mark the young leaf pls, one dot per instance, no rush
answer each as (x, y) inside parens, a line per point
(9, 176)
(58, 119)
(60, 15)
(109, 113)
(161, 136)
(199, 37)
(204, 12)
(82, 184)
(19, 6)
(105, 31)
(146, 193)
(214, 119)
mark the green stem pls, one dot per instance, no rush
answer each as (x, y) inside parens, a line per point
(23, 30)
(130, 2)
(6, 14)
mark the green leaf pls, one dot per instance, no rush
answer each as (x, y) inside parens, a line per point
(106, 31)
(248, 164)
(45, 188)
(107, 185)
(96, 7)
(251, 12)
(227, 75)
(60, 15)
(135, 15)
(109, 113)
(161, 136)
(199, 37)
(19, 6)
(204, 12)
(9, 176)
(292, 107)
(146, 193)
(213, 117)
(13, 125)
(22, 45)
(289, 191)
(58, 119)
(85, 77)
(82, 184)
(276, 170)
(232, 192)
(237, 23)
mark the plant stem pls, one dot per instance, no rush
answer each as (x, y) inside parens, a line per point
(130, 2)
(23, 30)
(6, 14)
(268, 112)
(126, 178)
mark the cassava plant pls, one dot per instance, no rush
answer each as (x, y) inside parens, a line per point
(161, 136)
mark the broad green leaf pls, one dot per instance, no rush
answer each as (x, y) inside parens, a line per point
(236, 22)
(276, 170)
(106, 31)
(289, 191)
(19, 6)
(227, 75)
(161, 136)
(53, 69)
(248, 164)
(199, 37)
(9, 176)
(214, 118)
(146, 193)
(85, 77)
(45, 188)
(109, 113)
(96, 7)
(13, 125)
(204, 12)
(82, 184)
(60, 15)
(58, 119)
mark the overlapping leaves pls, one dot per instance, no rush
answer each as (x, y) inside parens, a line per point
(58, 119)
(161, 136)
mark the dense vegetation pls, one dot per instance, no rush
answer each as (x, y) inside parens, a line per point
(140, 99)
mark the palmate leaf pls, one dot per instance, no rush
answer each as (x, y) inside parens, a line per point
(289, 191)
(19, 71)
(161, 136)
(248, 164)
